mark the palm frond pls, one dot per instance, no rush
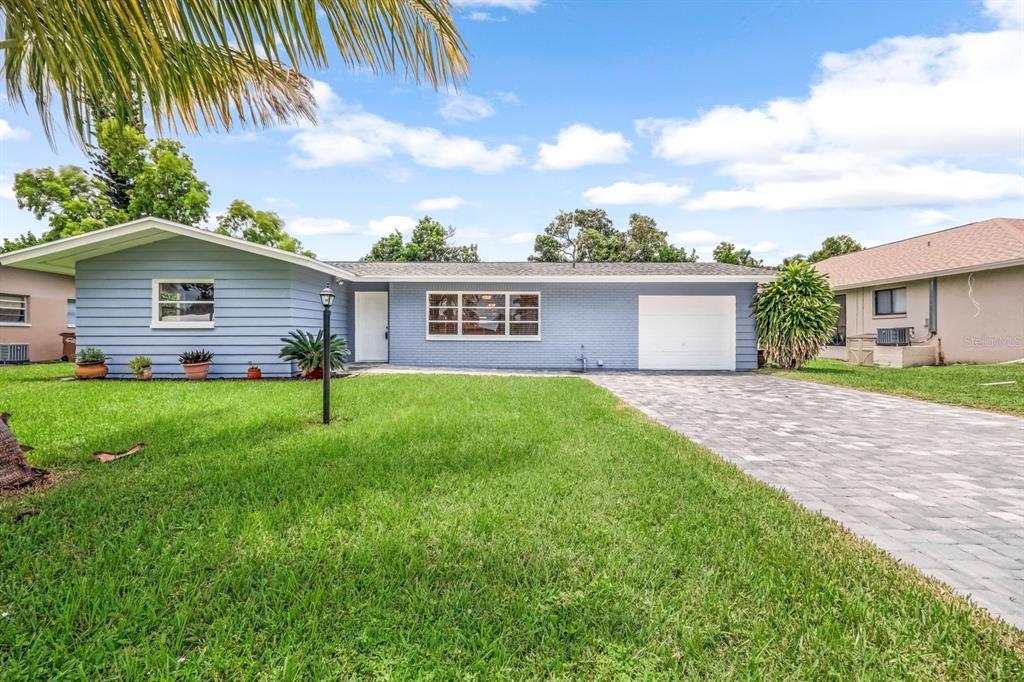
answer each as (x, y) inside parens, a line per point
(212, 63)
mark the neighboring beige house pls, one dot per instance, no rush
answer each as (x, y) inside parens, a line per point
(951, 296)
(35, 308)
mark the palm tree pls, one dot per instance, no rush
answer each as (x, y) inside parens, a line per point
(211, 63)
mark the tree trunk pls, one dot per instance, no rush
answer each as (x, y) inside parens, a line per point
(15, 471)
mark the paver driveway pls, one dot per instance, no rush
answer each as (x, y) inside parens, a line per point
(938, 487)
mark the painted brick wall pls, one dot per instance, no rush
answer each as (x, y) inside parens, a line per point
(258, 300)
(603, 317)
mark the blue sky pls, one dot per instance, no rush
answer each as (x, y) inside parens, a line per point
(771, 124)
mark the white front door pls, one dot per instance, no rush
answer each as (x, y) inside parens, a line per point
(687, 332)
(371, 326)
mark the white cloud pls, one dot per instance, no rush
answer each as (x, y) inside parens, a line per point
(484, 16)
(6, 188)
(310, 227)
(359, 138)
(701, 238)
(388, 224)
(465, 107)
(899, 123)
(869, 187)
(9, 132)
(439, 204)
(513, 5)
(1007, 13)
(519, 238)
(280, 202)
(351, 136)
(930, 218)
(761, 247)
(506, 96)
(580, 145)
(620, 193)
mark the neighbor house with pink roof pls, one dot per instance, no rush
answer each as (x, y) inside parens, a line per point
(956, 295)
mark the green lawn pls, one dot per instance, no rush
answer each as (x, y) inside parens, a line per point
(952, 384)
(444, 527)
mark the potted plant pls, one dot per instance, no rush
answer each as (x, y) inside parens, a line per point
(307, 351)
(196, 364)
(90, 364)
(141, 367)
(254, 371)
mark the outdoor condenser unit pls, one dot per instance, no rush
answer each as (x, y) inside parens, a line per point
(894, 336)
(11, 353)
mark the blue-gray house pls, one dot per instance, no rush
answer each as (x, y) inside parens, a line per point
(156, 288)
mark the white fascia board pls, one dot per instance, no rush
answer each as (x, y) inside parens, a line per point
(69, 244)
(752, 279)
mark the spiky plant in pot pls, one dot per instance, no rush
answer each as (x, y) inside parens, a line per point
(196, 363)
(307, 351)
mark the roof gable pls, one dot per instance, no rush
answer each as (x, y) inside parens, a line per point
(60, 256)
(998, 242)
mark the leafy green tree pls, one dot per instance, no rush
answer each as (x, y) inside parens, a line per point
(576, 237)
(72, 201)
(646, 243)
(429, 242)
(133, 178)
(242, 221)
(588, 235)
(389, 249)
(796, 257)
(22, 242)
(795, 315)
(839, 245)
(167, 187)
(675, 254)
(727, 252)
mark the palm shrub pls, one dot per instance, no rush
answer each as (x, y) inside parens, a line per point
(795, 315)
(307, 350)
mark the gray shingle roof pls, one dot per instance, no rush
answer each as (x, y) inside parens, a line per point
(527, 269)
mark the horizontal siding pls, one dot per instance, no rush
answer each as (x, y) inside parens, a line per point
(603, 317)
(258, 300)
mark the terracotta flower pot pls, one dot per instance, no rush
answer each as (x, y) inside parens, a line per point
(92, 370)
(197, 371)
(254, 373)
(145, 374)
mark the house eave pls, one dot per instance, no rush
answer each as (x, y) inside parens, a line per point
(556, 279)
(62, 255)
(929, 275)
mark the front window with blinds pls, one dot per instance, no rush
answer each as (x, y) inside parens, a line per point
(483, 315)
(183, 303)
(13, 309)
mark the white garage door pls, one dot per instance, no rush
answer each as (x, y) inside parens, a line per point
(688, 332)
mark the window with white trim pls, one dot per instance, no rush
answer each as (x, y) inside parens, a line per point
(13, 309)
(72, 312)
(183, 303)
(483, 315)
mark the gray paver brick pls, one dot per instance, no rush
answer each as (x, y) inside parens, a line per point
(939, 487)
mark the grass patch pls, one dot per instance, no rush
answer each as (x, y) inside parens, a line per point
(450, 526)
(951, 384)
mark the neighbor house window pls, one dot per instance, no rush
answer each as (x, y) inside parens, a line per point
(183, 303)
(13, 309)
(72, 312)
(483, 315)
(891, 301)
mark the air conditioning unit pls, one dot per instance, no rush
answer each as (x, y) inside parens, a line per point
(894, 336)
(13, 353)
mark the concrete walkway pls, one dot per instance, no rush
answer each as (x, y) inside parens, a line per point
(939, 487)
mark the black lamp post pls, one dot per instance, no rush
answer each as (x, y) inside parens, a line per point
(327, 298)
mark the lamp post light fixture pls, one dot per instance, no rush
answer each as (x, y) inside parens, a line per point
(327, 298)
